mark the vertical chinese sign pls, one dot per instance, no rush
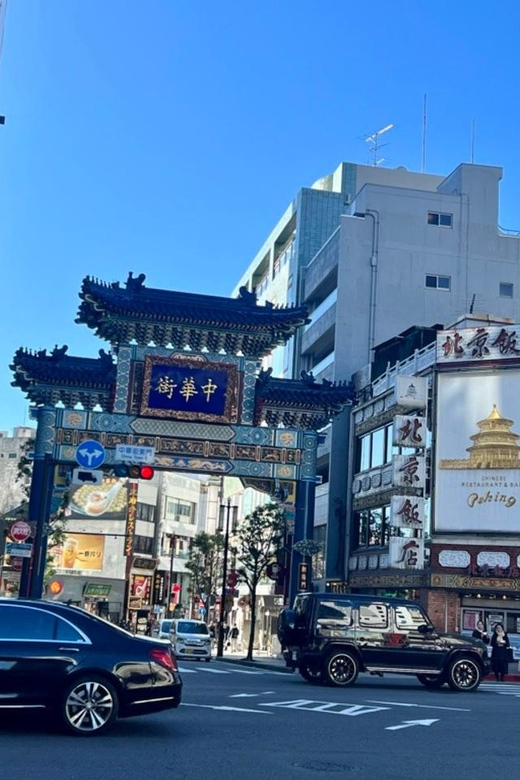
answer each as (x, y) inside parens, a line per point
(130, 518)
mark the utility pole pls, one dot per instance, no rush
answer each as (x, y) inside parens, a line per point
(169, 612)
(225, 514)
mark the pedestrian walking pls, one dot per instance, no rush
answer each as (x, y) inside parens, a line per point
(481, 633)
(234, 639)
(225, 633)
(499, 651)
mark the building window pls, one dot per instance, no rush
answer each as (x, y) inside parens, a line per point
(372, 526)
(441, 220)
(145, 512)
(180, 511)
(437, 282)
(143, 544)
(375, 448)
(505, 289)
(318, 560)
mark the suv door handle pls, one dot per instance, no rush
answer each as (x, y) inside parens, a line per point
(69, 649)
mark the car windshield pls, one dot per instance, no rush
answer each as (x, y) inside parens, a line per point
(165, 626)
(191, 627)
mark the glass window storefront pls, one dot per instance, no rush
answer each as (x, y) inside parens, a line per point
(490, 616)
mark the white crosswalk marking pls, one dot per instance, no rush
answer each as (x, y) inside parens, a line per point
(212, 671)
(183, 670)
(502, 689)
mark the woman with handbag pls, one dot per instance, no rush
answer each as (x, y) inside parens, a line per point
(499, 651)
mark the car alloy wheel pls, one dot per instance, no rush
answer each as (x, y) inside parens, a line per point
(465, 675)
(90, 706)
(342, 669)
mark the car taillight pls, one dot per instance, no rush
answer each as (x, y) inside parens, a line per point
(164, 658)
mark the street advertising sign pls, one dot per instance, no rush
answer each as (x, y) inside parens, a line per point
(409, 431)
(406, 553)
(409, 471)
(20, 531)
(19, 550)
(80, 552)
(477, 345)
(407, 512)
(129, 453)
(107, 501)
(90, 454)
(411, 391)
(477, 469)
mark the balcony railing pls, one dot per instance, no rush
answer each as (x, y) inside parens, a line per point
(419, 361)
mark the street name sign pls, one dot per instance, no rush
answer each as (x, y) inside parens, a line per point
(20, 550)
(132, 453)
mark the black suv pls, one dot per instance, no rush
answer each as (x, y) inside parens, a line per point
(331, 638)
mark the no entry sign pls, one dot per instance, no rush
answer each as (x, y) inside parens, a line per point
(20, 531)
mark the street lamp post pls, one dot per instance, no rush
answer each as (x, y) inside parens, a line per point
(170, 578)
(225, 514)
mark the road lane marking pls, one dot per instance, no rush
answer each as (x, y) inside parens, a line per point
(245, 671)
(182, 670)
(409, 723)
(250, 695)
(212, 671)
(420, 706)
(224, 708)
(309, 705)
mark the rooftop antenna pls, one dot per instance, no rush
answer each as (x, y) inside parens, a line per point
(473, 125)
(424, 128)
(472, 304)
(375, 146)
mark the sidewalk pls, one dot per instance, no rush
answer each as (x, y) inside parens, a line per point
(261, 660)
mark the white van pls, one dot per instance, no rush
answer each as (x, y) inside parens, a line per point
(190, 639)
(163, 631)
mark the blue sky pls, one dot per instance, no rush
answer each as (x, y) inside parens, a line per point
(167, 137)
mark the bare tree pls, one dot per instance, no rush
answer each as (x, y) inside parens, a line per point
(259, 537)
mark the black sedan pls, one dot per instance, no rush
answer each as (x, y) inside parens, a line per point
(80, 667)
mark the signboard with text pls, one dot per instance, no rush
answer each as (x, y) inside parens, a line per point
(477, 470)
(79, 552)
(190, 389)
(478, 344)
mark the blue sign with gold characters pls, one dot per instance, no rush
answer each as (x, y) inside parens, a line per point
(189, 389)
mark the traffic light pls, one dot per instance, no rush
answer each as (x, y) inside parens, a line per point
(134, 472)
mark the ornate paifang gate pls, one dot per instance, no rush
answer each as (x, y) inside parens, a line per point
(183, 376)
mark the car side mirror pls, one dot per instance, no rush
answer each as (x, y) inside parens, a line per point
(425, 628)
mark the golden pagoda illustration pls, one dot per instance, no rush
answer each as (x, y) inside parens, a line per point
(494, 446)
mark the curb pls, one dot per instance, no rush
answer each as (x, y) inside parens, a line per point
(507, 678)
(256, 664)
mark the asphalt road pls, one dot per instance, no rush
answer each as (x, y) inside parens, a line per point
(260, 725)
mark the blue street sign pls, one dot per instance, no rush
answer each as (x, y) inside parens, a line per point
(90, 454)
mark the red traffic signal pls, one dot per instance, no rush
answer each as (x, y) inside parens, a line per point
(232, 579)
(137, 472)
